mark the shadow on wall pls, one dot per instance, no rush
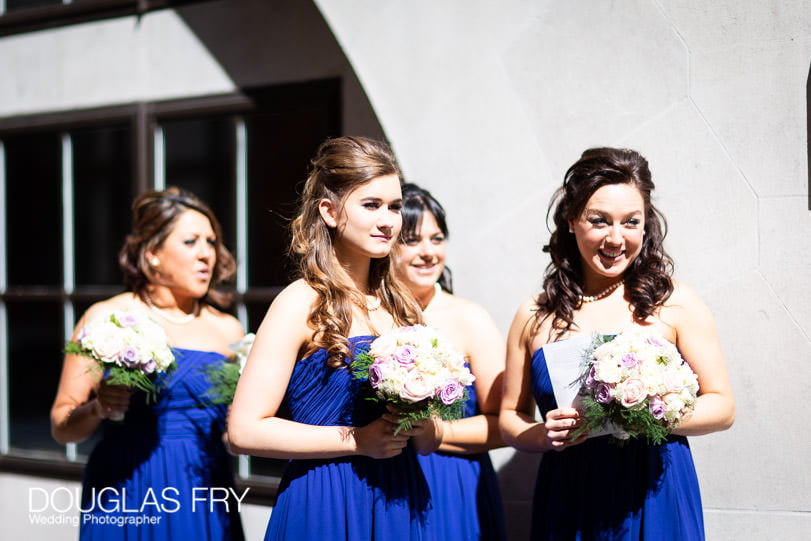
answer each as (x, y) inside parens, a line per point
(270, 42)
(517, 480)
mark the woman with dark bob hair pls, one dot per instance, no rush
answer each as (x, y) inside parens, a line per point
(610, 273)
(159, 457)
(464, 487)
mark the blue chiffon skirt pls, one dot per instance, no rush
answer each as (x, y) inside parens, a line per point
(163, 473)
(599, 490)
(352, 498)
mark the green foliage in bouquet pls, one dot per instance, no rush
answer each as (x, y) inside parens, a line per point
(638, 421)
(114, 374)
(223, 377)
(409, 412)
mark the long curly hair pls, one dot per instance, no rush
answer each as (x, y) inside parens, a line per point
(647, 279)
(416, 202)
(154, 215)
(342, 164)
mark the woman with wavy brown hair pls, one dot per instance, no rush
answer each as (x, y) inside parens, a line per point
(349, 476)
(159, 455)
(609, 272)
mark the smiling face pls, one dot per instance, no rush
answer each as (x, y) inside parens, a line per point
(420, 258)
(368, 220)
(186, 258)
(609, 233)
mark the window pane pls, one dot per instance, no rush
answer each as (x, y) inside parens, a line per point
(256, 313)
(35, 362)
(103, 193)
(283, 136)
(34, 210)
(13, 5)
(199, 156)
(271, 467)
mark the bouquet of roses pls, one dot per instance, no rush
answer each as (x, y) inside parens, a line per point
(129, 347)
(225, 375)
(638, 382)
(415, 369)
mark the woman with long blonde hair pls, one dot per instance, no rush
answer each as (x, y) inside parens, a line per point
(349, 475)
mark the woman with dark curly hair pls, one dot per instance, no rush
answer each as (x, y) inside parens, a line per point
(609, 272)
(350, 477)
(162, 458)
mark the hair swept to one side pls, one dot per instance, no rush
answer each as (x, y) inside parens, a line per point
(340, 165)
(647, 280)
(154, 215)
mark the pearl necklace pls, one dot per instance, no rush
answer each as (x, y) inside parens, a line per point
(604, 293)
(174, 319)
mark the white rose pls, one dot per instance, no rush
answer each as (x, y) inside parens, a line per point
(383, 346)
(674, 405)
(608, 371)
(417, 387)
(106, 341)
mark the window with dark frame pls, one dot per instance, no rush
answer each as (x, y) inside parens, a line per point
(67, 183)
(18, 16)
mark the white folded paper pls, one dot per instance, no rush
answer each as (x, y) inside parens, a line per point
(565, 363)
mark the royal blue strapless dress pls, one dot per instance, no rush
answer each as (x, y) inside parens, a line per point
(464, 491)
(353, 498)
(598, 490)
(163, 473)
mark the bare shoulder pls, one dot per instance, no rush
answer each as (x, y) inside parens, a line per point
(527, 310)
(289, 312)
(226, 324)
(683, 298)
(122, 301)
(296, 298)
(284, 331)
(468, 312)
(526, 328)
(683, 306)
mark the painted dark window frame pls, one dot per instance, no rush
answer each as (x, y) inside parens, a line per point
(77, 11)
(317, 101)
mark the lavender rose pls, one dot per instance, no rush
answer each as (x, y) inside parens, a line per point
(451, 391)
(129, 356)
(657, 407)
(375, 375)
(629, 360)
(654, 341)
(405, 354)
(602, 393)
(149, 366)
(127, 319)
(591, 379)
